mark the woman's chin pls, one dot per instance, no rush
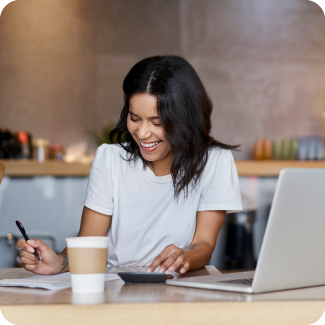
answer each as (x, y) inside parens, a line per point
(149, 156)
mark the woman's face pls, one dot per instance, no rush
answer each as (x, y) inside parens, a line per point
(145, 127)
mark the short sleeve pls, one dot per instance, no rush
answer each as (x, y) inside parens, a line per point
(99, 193)
(220, 183)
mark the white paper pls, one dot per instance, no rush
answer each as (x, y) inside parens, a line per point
(50, 282)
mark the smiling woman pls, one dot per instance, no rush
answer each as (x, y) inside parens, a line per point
(144, 125)
(161, 196)
(168, 91)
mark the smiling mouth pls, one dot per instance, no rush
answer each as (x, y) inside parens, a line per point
(150, 146)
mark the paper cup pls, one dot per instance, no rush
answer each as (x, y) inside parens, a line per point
(87, 263)
(93, 298)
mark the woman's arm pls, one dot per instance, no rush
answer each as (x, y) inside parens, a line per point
(198, 254)
(208, 225)
(92, 224)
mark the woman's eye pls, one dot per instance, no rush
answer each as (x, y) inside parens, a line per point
(156, 124)
(134, 120)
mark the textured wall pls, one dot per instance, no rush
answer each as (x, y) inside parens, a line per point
(62, 62)
(263, 63)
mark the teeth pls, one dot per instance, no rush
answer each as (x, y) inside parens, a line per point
(149, 145)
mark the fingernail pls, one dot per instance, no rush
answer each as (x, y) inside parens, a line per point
(161, 270)
(171, 269)
(31, 250)
(149, 270)
(182, 271)
(31, 241)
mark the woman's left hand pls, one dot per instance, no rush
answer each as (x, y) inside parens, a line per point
(172, 258)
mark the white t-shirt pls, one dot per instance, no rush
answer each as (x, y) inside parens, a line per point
(146, 218)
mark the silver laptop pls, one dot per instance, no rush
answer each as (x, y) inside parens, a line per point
(293, 249)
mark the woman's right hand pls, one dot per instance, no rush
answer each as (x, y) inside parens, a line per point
(92, 224)
(51, 263)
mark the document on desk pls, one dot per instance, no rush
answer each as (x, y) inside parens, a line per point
(50, 282)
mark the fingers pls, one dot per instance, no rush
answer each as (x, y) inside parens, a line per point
(21, 243)
(161, 257)
(36, 243)
(28, 259)
(183, 268)
(32, 245)
(170, 258)
(156, 262)
(31, 268)
(173, 261)
(179, 262)
(181, 265)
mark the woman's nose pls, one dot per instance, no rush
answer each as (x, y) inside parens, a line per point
(144, 131)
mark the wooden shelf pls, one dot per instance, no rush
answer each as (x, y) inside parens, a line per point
(272, 168)
(29, 168)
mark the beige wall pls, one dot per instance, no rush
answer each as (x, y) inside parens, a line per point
(62, 62)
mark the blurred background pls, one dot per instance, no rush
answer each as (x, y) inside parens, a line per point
(62, 64)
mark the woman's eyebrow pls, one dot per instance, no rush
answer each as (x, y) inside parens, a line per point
(151, 117)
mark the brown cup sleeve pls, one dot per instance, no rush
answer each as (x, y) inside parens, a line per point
(87, 260)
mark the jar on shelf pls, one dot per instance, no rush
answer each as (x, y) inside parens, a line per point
(24, 140)
(56, 152)
(41, 149)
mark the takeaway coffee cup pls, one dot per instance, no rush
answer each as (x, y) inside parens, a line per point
(89, 298)
(87, 263)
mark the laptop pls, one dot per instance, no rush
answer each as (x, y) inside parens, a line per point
(293, 249)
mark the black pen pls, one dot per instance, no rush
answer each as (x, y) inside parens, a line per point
(23, 232)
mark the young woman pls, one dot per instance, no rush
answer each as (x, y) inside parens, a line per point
(160, 197)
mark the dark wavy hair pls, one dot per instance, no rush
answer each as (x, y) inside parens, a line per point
(184, 108)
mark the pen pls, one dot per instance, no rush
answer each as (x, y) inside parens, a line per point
(23, 232)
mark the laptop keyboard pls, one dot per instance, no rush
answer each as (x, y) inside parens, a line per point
(241, 281)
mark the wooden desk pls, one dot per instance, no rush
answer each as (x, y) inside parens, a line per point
(160, 305)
